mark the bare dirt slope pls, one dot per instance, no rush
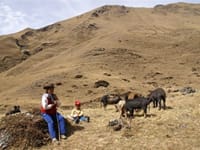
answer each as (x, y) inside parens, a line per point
(134, 49)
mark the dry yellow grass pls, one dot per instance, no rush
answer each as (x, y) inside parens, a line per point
(134, 49)
(175, 128)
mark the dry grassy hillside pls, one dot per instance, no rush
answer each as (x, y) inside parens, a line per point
(139, 48)
(134, 49)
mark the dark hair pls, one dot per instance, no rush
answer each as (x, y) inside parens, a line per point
(49, 86)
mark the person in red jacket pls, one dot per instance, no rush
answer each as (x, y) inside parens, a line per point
(49, 105)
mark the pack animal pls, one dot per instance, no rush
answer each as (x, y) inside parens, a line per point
(109, 99)
(157, 96)
(134, 104)
(121, 103)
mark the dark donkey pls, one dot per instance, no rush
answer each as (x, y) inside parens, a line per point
(156, 96)
(133, 104)
(110, 99)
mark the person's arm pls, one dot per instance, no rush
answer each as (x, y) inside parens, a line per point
(58, 103)
(45, 104)
(56, 100)
(80, 113)
(74, 113)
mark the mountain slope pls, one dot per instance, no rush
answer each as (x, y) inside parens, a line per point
(140, 49)
(133, 49)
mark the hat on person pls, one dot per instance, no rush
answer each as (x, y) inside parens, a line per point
(77, 103)
(48, 86)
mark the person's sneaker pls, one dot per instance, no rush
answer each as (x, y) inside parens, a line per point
(88, 119)
(77, 121)
(63, 137)
(54, 140)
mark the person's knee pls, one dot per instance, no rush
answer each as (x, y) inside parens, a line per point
(60, 116)
(50, 122)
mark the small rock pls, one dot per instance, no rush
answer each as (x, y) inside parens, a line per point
(187, 90)
(78, 76)
(101, 83)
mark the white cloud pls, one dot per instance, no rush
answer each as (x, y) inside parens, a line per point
(10, 20)
(16, 15)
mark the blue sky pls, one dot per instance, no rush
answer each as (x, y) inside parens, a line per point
(15, 15)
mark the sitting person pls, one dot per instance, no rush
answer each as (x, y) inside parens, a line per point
(77, 113)
(49, 105)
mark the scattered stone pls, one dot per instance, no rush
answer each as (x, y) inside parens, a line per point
(26, 52)
(59, 83)
(126, 80)
(187, 90)
(75, 86)
(107, 74)
(167, 78)
(89, 92)
(38, 49)
(194, 69)
(16, 109)
(92, 26)
(27, 34)
(113, 122)
(99, 49)
(101, 83)
(117, 127)
(78, 76)
(172, 90)
(121, 10)
(155, 84)
(56, 27)
(94, 14)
